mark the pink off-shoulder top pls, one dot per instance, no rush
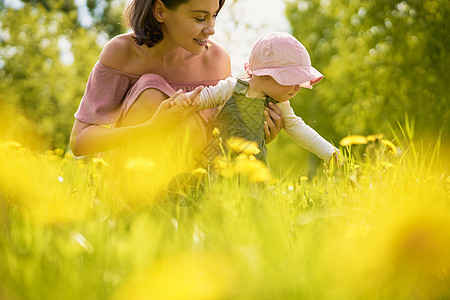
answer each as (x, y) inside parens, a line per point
(110, 93)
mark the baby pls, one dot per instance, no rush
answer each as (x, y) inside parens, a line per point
(279, 66)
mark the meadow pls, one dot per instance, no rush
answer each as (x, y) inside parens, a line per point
(378, 227)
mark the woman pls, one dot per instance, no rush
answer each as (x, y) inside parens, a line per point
(170, 40)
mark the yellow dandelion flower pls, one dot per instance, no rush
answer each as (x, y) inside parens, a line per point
(390, 147)
(69, 155)
(58, 151)
(199, 172)
(100, 162)
(187, 276)
(216, 132)
(240, 145)
(140, 164)
(254, 170)
(353, 140)
(49, 152)
(303, 179)
(387, 165)
(374, 137)
(223, 166)
(10, 146)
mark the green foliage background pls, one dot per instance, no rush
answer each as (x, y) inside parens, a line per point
(382, 60)
(39, 93)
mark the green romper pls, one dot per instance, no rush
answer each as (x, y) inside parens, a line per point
(243, 117)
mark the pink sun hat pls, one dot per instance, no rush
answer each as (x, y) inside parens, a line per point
(284, 58)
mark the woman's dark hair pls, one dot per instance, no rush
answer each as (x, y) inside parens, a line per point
(147, 30)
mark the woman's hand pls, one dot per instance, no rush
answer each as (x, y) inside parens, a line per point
(177, 107)
(273, 123)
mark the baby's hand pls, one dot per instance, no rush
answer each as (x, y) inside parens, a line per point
(185, 100)
(336, 159)
(181, 100)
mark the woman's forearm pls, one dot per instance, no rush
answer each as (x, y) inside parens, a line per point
(88, 139)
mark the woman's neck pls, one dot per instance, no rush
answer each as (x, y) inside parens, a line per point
(169, 55)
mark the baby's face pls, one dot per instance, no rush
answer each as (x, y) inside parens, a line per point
(277, 91)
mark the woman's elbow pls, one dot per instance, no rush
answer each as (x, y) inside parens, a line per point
(74, 147)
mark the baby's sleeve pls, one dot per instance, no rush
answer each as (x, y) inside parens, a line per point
(304, 135)
(214, 96)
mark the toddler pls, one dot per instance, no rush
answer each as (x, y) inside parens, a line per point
(279, 66)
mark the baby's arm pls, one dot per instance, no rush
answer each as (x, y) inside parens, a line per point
(304, 135)
(209, 97)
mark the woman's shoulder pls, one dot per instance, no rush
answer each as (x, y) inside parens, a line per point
(117, 52)
(218, 57)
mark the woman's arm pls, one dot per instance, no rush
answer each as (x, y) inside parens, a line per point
(89, 138)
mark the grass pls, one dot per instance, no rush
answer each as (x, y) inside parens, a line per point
(377, 228)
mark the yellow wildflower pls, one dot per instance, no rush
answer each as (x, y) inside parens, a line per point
(353, 140)
(387, 165)
(389, 146)
(199, 172)
(254, 170)
(374, 137)
(303, 179)
(58, 151)
(99, 162)
(240, 145)
(140, 164)
(49, 152)
(199, 276)
(216, 132)
(223, 166)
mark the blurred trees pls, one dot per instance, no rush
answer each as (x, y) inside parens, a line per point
(45, 59)
(381, 60)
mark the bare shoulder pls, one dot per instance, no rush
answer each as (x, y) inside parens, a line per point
(218, 59)
(117, 51)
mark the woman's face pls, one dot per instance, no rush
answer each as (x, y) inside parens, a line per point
(190, 25)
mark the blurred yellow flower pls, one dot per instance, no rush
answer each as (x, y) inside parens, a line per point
(245, 165)
(193, 276)
(199, 172)
(58, 152)
(374, 137)
(239, 145)
(10, 146)
(140, 164)
(390, 147)
(216, 132)
(387, 165)
(303, 179)
(353, 140)
(100, 162)
(254, 170)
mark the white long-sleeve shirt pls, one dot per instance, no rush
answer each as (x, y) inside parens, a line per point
(294, 126)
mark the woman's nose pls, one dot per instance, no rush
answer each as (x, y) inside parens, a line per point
(297, 88)
(209, 29)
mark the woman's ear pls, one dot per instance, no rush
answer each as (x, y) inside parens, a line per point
(158, 11)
